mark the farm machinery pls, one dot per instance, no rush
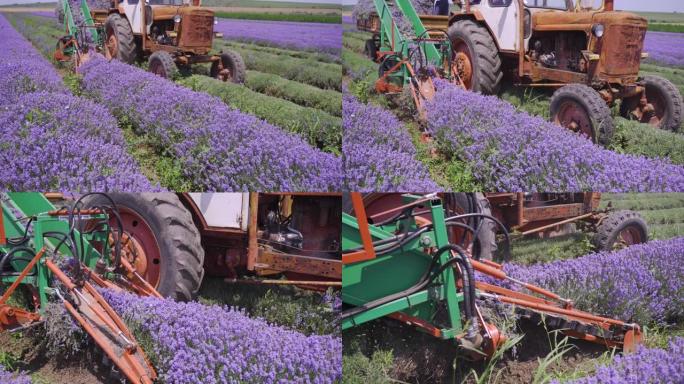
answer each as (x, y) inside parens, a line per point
(155, 245)
(535, 214)
(171, 35)
(408, 263)
(584, 50)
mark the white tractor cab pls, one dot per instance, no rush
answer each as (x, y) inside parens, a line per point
(586, 51)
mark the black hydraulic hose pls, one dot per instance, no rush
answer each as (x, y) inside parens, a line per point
(24, 238)
(10, 256)
(507, 244)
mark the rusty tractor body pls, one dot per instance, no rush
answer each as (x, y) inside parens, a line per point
(586, 51)
(171, 35)
(292, 236)
(534, 214)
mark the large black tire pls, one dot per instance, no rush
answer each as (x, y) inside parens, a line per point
(161, 64)
(236, 66)
(485, 246)
(118, 31)
(177, 237)
(599, 126)
(371, 50)
(661, 90)
(608, 234)
(483, 52)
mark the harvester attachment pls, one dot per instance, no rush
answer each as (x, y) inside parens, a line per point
(77, 251)
(413, 264)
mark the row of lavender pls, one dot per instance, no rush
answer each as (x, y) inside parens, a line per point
(378, 152)
(7, 377)
(51, 139)
(510, 150)
(195, 343)
(640, 284)
(213, 146)
(665, 48)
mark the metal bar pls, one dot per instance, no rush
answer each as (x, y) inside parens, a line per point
(566, 221)
(21, 277)
(253, 246)
(368, 251)
(284, 282)
(386, 309)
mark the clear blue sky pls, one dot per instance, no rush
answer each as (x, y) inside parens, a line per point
(631, 5)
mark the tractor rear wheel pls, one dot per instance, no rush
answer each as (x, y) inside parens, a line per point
(371, 50)
(581, 109)
(119, 40)
(160, 240)
(161, 64)
(475, 58)
(666, 101)
(230, 67)
(619, 230)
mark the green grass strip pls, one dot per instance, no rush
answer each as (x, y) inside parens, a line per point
(259, 46)
(330, 18)
(319, 128)
(301, 94)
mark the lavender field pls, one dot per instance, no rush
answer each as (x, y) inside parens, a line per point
(665, 48)
(283, 124)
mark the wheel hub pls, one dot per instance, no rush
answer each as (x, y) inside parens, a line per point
(573, 116)
(139, 245)
(112, 47)
(628, 236)
(462, 66)
(224, 73)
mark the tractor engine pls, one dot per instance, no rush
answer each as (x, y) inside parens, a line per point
(196, 29)
(559, 50)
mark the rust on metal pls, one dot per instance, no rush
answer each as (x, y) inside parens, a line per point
(269, 260)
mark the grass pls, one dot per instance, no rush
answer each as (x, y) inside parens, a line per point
(267, 47)
(666, 27)
(269, 4)
(319, 128)
(331, 18)
(289, 306)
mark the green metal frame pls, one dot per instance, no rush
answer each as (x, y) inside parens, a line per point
(390, 33)
(396, 271)
(70, 27)
(35, 205)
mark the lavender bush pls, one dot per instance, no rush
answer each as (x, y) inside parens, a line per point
(378, 152)
(52, 140)
(642, 283)
(195, 343)
(214, 146)
(309, 36)
(665, 48)
(7, 377)
(513, 151)
(645, 366)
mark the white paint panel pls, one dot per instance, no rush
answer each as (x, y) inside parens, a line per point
(503, 22)
(223, 210)
(133, 14)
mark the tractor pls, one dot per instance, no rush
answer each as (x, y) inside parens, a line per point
(584, 50)
(533, 214)
(402, 262)
(171, 35)
(59, 249)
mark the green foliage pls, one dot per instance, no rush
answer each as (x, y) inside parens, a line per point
(331, 18)
(305, 95)
(488, 375)
(264, 46)
(642, 139)
(318, 127)
(666, 27)
(359, 369)
(308, 71)
(302, 310)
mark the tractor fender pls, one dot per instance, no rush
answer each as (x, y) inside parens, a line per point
(476, 17)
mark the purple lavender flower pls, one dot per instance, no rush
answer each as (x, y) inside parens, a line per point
(642, 283)
(513, 151)
(7, 377)
(665, 48)
(287, 34)
(50, 139)
(195, 343)
(377, 151)
(217, 147)
(646, 365)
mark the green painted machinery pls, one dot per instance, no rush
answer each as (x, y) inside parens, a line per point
(65, 256)
(78, 35)
(407, 260)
